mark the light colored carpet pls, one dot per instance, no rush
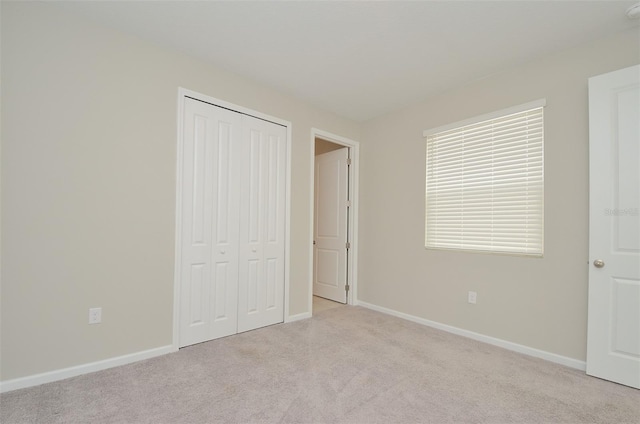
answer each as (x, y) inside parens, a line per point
(320, 304)
(344, 365)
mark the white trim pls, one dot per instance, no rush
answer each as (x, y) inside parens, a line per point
(178, 230)
(298, 317)
(487, 116)
(51, 376)
(530, 351)
(182, 93)
(287, 226)
(354, 185)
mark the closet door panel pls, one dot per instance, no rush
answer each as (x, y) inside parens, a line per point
(274, 221)
(209, 251)
(262, 225)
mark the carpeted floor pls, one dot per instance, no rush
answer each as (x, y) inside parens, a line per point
(320, 304)
(344, 365)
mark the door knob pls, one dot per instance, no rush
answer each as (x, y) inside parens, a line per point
(598, 263)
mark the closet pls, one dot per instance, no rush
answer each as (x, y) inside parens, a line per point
(231, 222)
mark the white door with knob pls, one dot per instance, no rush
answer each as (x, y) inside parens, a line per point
(330, 225)
(232, 221)
(613, 346)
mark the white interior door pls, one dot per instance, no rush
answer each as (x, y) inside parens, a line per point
(262, 224)
(613, 347)
(330, 225)
(209, 251)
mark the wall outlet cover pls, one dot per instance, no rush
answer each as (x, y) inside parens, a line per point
(95, 315)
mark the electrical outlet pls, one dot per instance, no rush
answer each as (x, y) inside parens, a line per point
(95, 315)
(472, 297)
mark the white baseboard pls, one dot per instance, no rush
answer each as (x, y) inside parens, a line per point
(298, 317)
(48, 377)
(552, 357)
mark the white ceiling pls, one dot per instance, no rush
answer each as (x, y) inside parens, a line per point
(362, 59)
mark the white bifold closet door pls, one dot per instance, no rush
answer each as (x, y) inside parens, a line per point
(262, 224)
(233, 223)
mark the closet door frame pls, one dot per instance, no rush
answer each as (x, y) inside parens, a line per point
(184, 93)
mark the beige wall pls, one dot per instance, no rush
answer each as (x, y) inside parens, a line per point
(324, 146)
(541, 303)
(88, 186)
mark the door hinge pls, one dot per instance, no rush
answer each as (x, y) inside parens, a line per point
(348, 245)
(346, 288)
(348, 203)
(348, 161)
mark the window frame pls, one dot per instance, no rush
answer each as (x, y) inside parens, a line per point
(540, 103)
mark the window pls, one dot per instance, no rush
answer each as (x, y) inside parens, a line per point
(485, 183)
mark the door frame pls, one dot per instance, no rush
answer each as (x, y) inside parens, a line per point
(352, 233)
(183, 93)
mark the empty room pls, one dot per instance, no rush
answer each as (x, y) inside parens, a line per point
(320, 211)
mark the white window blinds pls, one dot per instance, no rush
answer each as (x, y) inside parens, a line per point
(485, 185)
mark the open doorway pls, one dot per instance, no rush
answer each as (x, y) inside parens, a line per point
(334, 221)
